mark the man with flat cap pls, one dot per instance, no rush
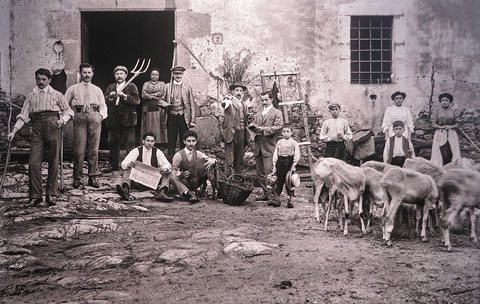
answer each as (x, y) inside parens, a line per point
(122, 101)
(180, 106)
(233, 127)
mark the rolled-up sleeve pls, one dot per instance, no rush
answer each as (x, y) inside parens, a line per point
(102, 106)
(65, 111)
(25, 112)
(163, 163)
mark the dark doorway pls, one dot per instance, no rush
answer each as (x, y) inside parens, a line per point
(120, 38)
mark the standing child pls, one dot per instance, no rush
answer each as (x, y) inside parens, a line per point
(285, 157)
(398, 148)
(334, 132)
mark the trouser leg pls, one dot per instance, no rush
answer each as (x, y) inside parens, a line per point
(283, 166)
(114, 139)
(182, 128)
(126, 177)
(239, 152)
(35, 161)
(53, 138)
(130, 138)
(172, 135)
(94, 130)
(79, 144)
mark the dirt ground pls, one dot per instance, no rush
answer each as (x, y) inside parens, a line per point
(95, 249)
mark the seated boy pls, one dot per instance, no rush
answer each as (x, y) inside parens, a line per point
(186, 161)
(151, 156)
(334, 132)
(285, 157)
(398, 148)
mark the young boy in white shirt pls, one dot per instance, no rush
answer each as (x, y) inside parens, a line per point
(398, 148)
(285, 158)
(334, 132)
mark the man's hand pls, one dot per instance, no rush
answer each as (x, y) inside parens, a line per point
(210, 163)
(185, 174)
(259, 130)
(165, 171)
(11, 135)
(60, 123)
(340, 136)
(131, 165)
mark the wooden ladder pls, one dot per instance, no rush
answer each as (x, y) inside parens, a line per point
(286, 105)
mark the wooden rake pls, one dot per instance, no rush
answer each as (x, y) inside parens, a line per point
(137, 70)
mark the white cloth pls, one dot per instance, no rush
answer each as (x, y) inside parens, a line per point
(177, 82)
(398, 147)
(439, 139)
(395, 113)
(265, 110)
(331, 127)
(163, 163)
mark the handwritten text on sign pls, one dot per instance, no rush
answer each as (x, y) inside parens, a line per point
(145, 175)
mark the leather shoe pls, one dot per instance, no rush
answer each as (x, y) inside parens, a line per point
(50, 201)
(163, 197)
(192, 198)
(92, 181)
(276, 204)
(34, 202)
(123, 191)
(76, 183)
(109, 169)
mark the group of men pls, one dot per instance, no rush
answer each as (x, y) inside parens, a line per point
(87, 105)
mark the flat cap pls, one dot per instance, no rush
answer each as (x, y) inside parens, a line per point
(121, 68)
(177, 68)
(335, 104)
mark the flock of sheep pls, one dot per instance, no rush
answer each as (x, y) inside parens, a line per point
(451, 191)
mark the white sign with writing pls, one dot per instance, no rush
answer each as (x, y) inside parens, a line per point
(145, 175)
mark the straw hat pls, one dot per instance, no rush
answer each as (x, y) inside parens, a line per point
(57, 67)
(292, 180)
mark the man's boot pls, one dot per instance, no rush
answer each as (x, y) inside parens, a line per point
(76, 183)
(92, 182)
(162, 196)
(192, 198)
(124, 191)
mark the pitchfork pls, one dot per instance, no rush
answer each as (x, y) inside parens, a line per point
(136, 71)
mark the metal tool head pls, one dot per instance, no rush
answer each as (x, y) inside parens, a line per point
(142, 68)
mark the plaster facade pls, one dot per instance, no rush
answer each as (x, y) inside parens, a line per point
(310, 35)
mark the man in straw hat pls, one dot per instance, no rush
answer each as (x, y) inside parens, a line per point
(48, 111)
(233, 129)
(180, 105)
(88, 102)
(122, 104)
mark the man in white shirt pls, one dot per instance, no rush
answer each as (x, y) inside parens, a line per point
(88, 103)
(335, 131)
(151, 156)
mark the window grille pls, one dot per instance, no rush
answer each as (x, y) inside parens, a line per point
(371, 49)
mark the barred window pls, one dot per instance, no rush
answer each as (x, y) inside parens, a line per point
(371, 49)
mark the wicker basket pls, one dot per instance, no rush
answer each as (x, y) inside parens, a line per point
(234, 191)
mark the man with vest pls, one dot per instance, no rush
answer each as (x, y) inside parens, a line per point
(184, 161)
(398, 147)
(151, 156)
(122, 101)
(233, 128)
(180, 106)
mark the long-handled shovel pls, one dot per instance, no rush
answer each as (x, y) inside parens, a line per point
(62, 186)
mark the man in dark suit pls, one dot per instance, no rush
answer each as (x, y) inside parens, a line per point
(233, 128)
(180, 106)
(266, 125)
(122, 101)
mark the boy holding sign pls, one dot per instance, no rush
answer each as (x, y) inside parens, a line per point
(154, 160)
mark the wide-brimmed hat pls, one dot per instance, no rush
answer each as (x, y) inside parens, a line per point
(398, 93)
(121, 68)
(177, 68)
(335, 104)
(57, 67)
(449, 96)
(237, 84)
(292, 180)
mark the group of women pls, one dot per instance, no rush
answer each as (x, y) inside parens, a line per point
(444, 120)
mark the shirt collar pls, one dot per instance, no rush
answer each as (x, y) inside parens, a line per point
(265, 110)
(188, 151)
(47, 89)
(85, 83)
(177, 82)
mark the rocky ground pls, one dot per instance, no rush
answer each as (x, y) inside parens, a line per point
(93, 248)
